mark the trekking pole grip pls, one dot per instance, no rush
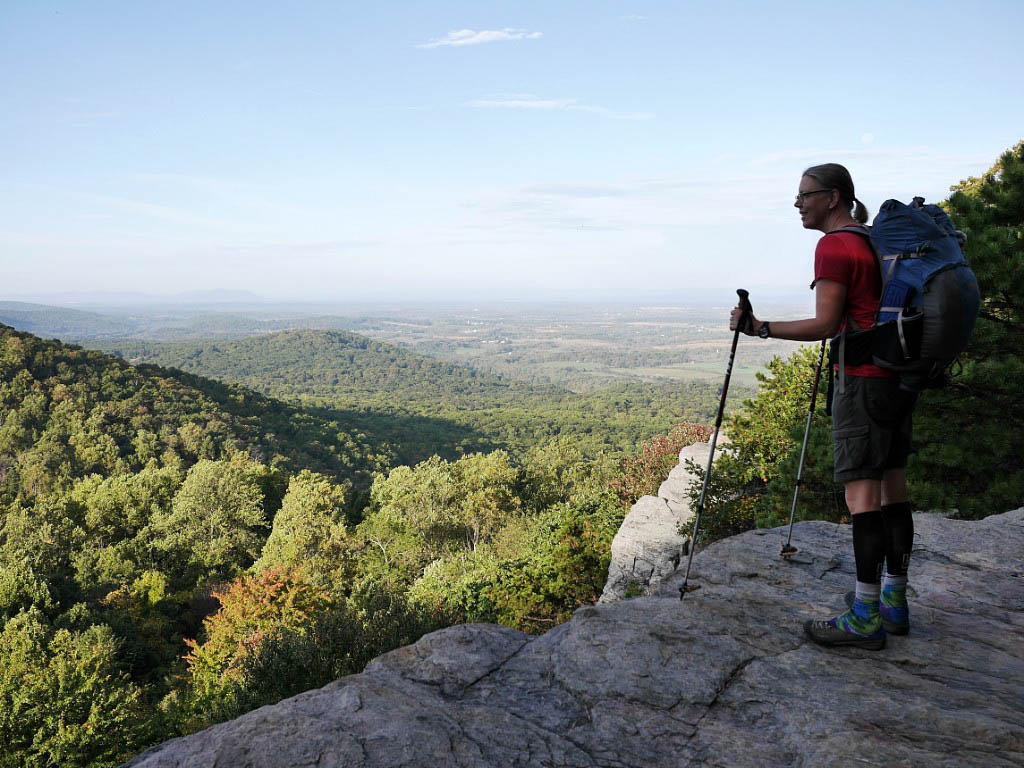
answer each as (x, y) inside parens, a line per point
(748, 310)
(744, 299)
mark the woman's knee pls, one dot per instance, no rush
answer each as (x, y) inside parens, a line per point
(863, 495)
(894, 486)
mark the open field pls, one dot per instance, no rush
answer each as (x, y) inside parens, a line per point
(741, 374)
(584, 346)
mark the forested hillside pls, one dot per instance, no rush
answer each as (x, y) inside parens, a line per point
(373, 382)
(71, 412)
(175, 551)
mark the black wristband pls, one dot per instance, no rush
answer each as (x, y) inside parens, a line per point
(765, 331)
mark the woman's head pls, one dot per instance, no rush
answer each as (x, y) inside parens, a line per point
(832, 176)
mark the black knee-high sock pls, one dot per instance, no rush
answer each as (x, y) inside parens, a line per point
(899, 537)
(869, 546)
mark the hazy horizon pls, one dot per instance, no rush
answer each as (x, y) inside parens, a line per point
(228, 299)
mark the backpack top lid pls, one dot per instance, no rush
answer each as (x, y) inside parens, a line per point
(938, 215)
(917, 230)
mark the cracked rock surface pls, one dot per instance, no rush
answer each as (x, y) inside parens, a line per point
(722, 678)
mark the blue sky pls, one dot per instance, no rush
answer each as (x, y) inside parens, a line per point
(457, 150)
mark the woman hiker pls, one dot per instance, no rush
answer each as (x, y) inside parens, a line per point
(871, 415)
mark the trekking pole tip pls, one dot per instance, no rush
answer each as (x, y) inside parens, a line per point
(687, 588)
(788, 551)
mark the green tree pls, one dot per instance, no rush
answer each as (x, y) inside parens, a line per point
(555, 470)
(147, 618)
(560, 563)
(21, 589)
(64, 698)
(487, 493)
(421, 514)
(969, 433)
(45, 533)
(216, 524)
(565, 569)
(118, 511)
(309, 530)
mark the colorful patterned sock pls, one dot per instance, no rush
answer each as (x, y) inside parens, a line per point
(894, 599)
(864, 617)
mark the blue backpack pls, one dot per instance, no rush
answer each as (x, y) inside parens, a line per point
(930, 296)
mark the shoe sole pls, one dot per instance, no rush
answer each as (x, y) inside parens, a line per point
(867, 643)
(888, 626)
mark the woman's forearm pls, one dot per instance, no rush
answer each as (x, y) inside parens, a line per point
(809, 329)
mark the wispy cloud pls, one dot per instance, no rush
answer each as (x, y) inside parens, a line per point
(633, 17)
(475, 37)
(528, 101)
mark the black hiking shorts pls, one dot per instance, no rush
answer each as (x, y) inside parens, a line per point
(871, 428)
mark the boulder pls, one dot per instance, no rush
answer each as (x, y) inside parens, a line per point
(653, 538)
(677, 486)
(647, 547)
(724, 677)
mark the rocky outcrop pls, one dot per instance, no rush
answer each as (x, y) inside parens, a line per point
(651, 542)
(722, 678)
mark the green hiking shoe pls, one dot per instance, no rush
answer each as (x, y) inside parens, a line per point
(895, 618)
(846, 629)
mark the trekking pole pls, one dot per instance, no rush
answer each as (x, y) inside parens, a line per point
(747, 313)
(787, 549)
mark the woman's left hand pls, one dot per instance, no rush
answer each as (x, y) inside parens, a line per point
(749, 326)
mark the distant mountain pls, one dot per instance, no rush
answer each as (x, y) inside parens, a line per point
(200, 320)
(63, 322)
(97, 299)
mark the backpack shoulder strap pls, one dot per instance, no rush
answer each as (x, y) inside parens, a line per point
(857, 229)
(885, 271)
(865, 231)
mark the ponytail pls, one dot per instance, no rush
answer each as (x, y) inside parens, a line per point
(860, 213)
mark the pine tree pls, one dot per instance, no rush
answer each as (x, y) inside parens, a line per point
(970, 435)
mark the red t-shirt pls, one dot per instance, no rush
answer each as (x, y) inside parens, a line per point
(847, 258)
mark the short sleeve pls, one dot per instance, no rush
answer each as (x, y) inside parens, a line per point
(832, 261)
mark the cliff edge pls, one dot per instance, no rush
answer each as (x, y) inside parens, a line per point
(722, 678)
